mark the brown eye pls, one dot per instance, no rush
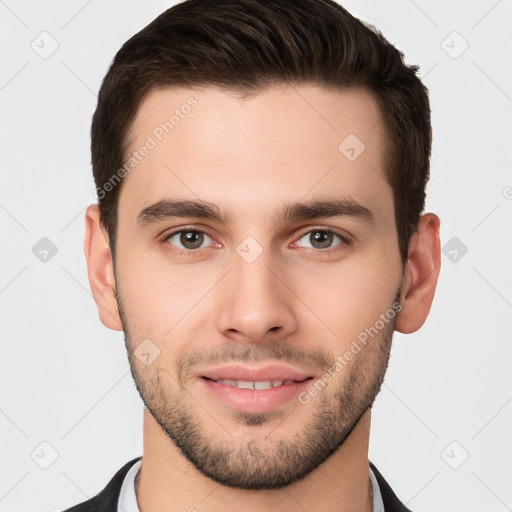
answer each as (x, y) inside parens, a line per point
(187, 239)
(191, 239)
(321, 239)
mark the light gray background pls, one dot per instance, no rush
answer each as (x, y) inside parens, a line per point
(65, 378)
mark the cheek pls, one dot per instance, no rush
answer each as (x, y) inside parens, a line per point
(151, 296)
(161, 299)
(345, 298)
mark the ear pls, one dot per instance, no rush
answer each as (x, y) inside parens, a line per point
(100, 269)
(420, 275)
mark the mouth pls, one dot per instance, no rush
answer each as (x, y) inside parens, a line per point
(254, 396)
(257, 385)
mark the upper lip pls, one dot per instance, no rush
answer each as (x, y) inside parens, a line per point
(265, 373)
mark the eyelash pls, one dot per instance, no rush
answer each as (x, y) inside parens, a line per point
(345, 242)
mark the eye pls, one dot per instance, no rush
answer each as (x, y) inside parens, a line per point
(187, 240)
(321, 239)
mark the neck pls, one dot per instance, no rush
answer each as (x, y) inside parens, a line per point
(167, 481)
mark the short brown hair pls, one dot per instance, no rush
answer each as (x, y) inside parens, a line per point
(245, 46)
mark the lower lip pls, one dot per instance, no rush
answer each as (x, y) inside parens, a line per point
(254, 400)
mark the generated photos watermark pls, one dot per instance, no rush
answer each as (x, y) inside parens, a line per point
(156, 136)
(342, 360)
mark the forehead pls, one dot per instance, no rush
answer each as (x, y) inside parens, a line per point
(291, 139)
(306, 107)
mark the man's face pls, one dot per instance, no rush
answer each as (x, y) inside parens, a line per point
(258, 288)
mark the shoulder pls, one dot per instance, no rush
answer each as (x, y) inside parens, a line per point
(106, 500)
(389, 498)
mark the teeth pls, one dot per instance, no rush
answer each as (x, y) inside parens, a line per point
(262, 384)
(244, 384)
(265, 384)
(229, 382)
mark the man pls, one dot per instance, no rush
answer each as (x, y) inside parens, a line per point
(259, 235)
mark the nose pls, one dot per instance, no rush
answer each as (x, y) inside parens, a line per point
(255, 304)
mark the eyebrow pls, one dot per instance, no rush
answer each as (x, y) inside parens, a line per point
(167, 209)
(171, 208)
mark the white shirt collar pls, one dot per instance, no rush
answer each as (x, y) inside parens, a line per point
(128, 500)
(378, 504)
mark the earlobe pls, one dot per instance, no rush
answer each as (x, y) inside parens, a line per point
(421, 274)
(100, 269)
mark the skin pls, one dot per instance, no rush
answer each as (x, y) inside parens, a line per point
(298, 299)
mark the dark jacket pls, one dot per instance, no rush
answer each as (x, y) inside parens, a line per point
(106, 500)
